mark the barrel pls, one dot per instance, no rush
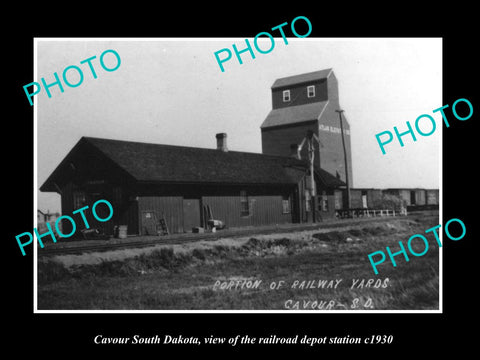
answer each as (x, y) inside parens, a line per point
(122, 231)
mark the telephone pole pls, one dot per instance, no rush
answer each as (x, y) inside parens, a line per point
(345, 157)
(311, 157)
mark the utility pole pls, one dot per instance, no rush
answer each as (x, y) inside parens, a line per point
(311, 157)
(345, 156)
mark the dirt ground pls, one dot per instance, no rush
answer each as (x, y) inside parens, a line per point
(315, 269)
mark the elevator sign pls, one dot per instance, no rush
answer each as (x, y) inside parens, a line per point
(332, 129)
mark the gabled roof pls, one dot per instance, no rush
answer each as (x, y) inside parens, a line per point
(156, 163)
(294, 114)
(301, 78)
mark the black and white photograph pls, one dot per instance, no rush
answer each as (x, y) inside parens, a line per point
(174, 181)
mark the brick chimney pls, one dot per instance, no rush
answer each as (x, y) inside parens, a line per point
(222, 142)
(295, 151)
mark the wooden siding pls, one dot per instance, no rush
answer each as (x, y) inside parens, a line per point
(355, 199)
(374, 198)
(225, 201)
(129, 203)
(94, 176)
(298, 94)
(129, 217)
(339, 199)
(330, 157)
(264, 210)
(171, 206)
(420, 197)
(123, 204)
(277, 141)
(405, 195)
(305, 216)
(67, 207)
(329, 213)
(432, 197)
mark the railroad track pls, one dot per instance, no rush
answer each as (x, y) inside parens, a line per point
(116, 244)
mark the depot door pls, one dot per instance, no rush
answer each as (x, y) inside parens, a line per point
(364, 199)
(149, 223)
(191, 214)
(413, 198)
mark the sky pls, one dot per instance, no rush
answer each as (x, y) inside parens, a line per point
(172, 91)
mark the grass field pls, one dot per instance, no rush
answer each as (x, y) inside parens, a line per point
(307, 270)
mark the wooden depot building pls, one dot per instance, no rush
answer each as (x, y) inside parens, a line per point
(147, 182)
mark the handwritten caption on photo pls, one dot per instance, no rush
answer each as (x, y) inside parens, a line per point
(300, 284)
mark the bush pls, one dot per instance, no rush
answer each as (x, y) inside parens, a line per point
(330, 236)
(392, 202)
(163, 258)
(356, 232)
(199, 254)
(252, 242)
(51, 271)
(377, 230)
(282, 242)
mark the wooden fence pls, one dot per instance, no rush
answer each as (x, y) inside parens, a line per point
(357, 213)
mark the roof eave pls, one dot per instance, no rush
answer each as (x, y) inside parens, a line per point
(292, 81)
(50, 185)
(213, 183)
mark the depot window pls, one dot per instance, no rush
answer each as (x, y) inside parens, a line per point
(79, 199)
(323, 203)
(244, 204)
(311, 91)
(286, 95)
(286, 205)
